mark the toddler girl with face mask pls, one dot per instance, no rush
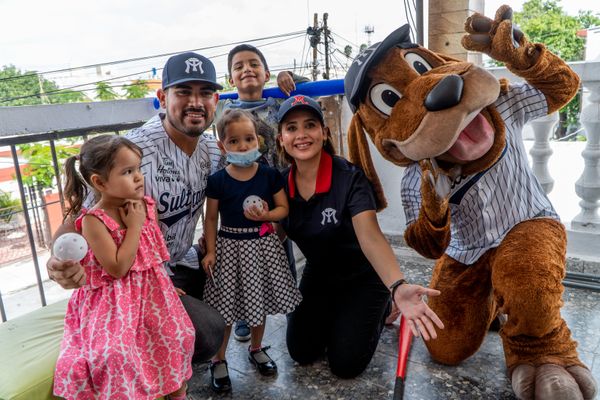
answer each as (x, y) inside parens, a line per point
(249, 276)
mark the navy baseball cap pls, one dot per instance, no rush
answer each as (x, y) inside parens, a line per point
(299, 101)
(187, 67)
(356, 82)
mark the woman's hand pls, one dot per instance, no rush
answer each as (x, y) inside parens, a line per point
(420, 318)
(133, 214)
(258, 214)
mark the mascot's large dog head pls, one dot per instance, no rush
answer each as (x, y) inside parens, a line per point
(416, 104)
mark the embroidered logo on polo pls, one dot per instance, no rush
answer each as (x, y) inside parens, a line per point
(194, 64)
(328, 216)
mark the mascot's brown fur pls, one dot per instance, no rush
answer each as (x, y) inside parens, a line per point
(420, 106)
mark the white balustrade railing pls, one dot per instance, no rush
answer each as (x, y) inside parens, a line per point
(541, 151)
(587, 186)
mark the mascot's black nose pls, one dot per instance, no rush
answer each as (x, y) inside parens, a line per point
(445, 94)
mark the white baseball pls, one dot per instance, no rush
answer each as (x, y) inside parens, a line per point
(253, 201)
(70, 246)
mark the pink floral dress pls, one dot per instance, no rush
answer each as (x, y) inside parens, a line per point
(127, 338)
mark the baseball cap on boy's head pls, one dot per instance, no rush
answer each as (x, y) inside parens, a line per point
(189, 67)
(245, 47)
(299, 101)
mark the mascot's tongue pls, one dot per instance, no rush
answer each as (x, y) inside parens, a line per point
(474, 141)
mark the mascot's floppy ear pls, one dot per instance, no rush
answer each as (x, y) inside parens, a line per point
(358, 146)
(355, 83)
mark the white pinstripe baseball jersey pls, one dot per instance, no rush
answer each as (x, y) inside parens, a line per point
(176, 181)
(484, 207)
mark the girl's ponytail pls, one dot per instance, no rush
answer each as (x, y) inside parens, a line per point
(75, 188)
(96, 156)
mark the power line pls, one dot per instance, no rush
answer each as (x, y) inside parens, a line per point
(339, 62)
(6, 100)
(341, 37)
(58, 91)
(148, 57)
(302, 55)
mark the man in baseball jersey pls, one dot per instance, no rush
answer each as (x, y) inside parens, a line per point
(178, 157)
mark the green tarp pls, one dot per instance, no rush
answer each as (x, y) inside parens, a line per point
(29, 347)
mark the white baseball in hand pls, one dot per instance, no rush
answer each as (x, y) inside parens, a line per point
(70, 246)
(251, 201)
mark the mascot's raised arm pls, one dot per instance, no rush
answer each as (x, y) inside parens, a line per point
(470, 197)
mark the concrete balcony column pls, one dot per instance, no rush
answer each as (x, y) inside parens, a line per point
(587, 186)
(541, 151)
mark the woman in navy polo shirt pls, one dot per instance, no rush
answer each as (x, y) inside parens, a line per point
(350, 267)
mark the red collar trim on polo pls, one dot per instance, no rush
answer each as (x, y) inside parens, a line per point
(323, 175)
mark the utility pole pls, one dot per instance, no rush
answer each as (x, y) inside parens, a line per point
(43, 97)
(314, 46)
(369, 29)
(326, 41)
(443, 30)
(420, 22)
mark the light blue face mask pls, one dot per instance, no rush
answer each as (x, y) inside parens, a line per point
(243, 159)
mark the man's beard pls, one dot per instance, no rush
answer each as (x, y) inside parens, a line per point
(193, 131)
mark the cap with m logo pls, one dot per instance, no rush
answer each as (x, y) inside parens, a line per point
(189, 67)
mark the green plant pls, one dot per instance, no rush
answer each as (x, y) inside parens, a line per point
(22, 88)
(105, 92)
(137, 89)
(39, 171)
(545, 21)
(8, 206)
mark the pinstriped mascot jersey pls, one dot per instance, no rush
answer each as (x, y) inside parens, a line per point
(176, 181)
(484, 207)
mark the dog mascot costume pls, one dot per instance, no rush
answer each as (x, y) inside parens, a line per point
(470, 198)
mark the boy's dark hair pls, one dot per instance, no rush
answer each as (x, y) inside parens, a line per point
(96, 156)
(234, 115)
(245, 47)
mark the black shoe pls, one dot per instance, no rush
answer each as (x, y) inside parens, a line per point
(219, 376)
(262, 361)
(241, 331)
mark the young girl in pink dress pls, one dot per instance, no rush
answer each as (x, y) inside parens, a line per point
(127, 335)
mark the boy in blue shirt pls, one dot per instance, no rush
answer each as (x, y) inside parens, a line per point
(248, 73)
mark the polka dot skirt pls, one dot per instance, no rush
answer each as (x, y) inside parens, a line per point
(251, 280)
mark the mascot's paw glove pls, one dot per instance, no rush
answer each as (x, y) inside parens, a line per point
(500, 39)
(435, 189)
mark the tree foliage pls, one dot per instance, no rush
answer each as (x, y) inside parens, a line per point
(9, 206)
(546, 22)
(21, 88)
(104, 92)
(137, 89)
(40, 170)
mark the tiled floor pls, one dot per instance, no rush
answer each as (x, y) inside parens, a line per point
(480, 377)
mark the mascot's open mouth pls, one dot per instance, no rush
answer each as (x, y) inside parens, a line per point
(474, 140)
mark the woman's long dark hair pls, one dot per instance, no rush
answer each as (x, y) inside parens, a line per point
(96, 156)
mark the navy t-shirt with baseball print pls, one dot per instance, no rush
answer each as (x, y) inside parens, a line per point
(232, 194)
(322, 225)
